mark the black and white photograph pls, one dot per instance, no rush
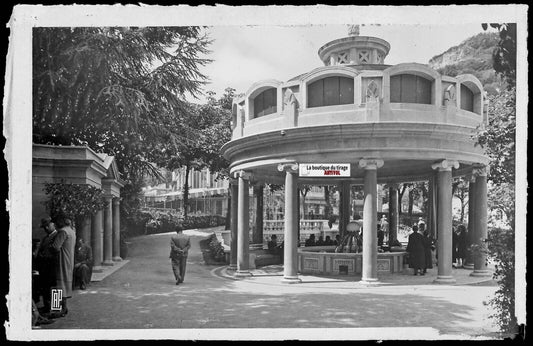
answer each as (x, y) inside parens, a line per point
(266, 173)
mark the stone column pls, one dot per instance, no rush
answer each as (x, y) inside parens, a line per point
(393, 213)
(344, 208)
(234, 190)
(243, 231)
(444, 220)
(116, 230)
(257, 237)
(108, 232)
(480, 222)
(471, 222)
(370, 235)
(290, 248)
(97, 241)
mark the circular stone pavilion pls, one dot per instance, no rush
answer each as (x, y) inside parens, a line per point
(381, 124)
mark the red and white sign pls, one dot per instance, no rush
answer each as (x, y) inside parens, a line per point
(324, 170)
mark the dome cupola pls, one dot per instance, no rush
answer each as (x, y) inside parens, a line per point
(354, 50)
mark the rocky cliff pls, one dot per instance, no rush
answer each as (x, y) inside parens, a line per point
(474, 56)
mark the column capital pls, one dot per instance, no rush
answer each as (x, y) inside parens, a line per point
(243, 174)
(116, 201)
(480, 171)
(108, 198)
(233, 180)
(371, 163)
(288, 167)
(445, 165)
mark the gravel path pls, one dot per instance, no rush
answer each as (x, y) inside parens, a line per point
(143, 295)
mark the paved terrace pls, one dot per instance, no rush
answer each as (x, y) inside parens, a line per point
(141, 296)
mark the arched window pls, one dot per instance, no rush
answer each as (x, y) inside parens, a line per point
(265, 103)
(330, 91)
(467, 98)
(409, 88)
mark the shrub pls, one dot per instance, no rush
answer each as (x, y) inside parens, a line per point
(216, 249)
(501, 248)
(166, 221)
(75, 201)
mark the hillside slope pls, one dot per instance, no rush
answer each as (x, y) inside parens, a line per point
(474, 56)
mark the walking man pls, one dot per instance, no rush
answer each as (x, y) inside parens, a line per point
(179, 249)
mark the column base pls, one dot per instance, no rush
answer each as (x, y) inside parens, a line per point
(117, 259)
(441, 279)
(468, 266)
(108, 263)
(98, 269)
(481, 273)
(242, 273)
(369, 281)
(232, 267)
(291, 280)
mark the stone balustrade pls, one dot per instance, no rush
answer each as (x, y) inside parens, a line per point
(307, 227)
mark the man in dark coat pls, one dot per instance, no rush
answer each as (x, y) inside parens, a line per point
(47, 261)
(417, 255)
(428, 243)
(179, 250)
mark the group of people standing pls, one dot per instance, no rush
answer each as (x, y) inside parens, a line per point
(420, 246)
(59, 263)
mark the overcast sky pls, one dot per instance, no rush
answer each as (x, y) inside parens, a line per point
(244, 55)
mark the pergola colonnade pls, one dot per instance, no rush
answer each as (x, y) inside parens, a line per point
(82, 165)
(240, 240)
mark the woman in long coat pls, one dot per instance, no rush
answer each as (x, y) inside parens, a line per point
(462, 245)
(416, 250)
(64, 244)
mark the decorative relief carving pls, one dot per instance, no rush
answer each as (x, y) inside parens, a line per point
(311, 263)
(342, 58)
(353, 30)
(450, 96)
(289, 98)
(372, 92)
(364, 57)
(383, 265)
